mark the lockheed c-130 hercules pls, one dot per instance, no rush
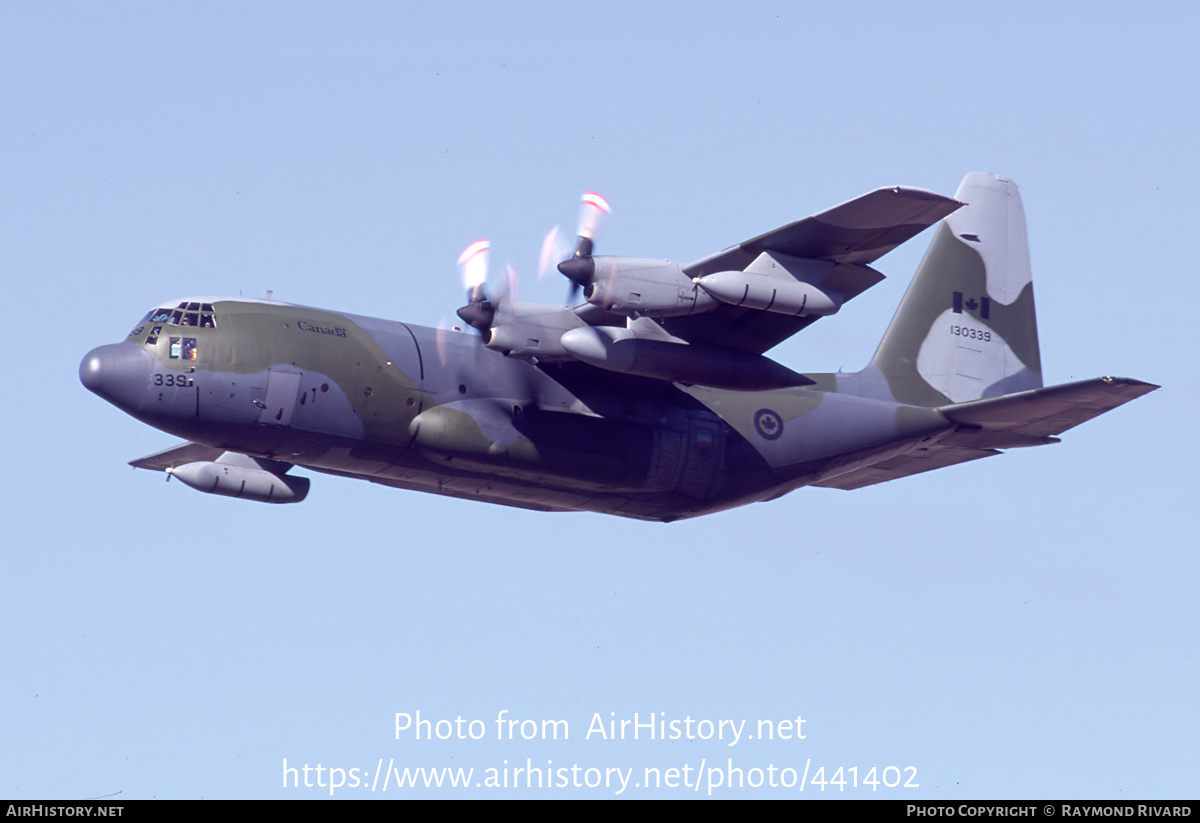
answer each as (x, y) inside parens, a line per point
(653, 398)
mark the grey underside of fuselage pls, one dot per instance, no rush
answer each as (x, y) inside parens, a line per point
(437, 474)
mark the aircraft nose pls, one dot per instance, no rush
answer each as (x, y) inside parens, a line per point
(118, 372)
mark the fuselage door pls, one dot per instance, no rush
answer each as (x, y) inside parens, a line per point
(280, 401)
(704, 457)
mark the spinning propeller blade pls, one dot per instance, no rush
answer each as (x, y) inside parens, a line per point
(472, 265)
(580, 269)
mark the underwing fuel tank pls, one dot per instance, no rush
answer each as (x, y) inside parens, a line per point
(241, 481)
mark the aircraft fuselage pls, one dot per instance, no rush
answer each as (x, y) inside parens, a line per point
(433, 410)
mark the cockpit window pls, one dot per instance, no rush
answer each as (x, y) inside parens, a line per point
(187, 313)
(141, 325)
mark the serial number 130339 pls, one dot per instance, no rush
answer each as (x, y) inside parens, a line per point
(973, 334)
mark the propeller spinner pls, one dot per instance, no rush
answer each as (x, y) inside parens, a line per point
(580, 269)
(472, 265)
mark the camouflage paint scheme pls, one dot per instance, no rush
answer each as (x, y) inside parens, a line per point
(956, 377)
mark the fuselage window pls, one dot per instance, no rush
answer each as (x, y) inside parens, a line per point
(152, 337)
(183, 348)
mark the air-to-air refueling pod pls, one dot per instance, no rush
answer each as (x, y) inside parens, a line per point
(235, 475)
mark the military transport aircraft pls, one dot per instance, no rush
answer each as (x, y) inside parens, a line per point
(653, 398)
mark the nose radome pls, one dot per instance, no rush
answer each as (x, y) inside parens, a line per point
(118, 372)
(91, 369)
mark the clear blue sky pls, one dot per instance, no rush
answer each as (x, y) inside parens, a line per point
(1023, 626)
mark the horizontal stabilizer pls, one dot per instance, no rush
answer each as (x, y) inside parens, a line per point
(1029, 418)
(1048, 411)
(915, 462)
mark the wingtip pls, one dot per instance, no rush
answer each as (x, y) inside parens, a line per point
(1145, 387)
(914, 193)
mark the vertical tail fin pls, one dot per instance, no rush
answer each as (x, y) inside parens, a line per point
(966, 328)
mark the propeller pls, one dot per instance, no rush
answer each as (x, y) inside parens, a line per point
(481, 309)
(555, 247)
(510, 285)
(442, 340)
(591, 213)
(581, 268)
(472, 265)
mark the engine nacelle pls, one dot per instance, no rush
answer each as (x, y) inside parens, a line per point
(642, 286)
(530, 331)
(523, 340)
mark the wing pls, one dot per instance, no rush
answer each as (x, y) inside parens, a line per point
(1029, 418)
(177, 456)
(184, 453)
(852, 235)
